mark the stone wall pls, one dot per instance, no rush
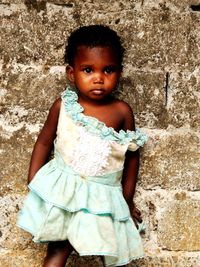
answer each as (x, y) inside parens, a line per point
(161, 81)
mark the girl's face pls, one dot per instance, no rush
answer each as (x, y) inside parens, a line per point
(95, 72)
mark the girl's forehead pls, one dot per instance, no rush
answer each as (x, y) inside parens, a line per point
(93, 53)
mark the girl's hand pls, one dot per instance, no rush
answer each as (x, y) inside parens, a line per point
(135, 214)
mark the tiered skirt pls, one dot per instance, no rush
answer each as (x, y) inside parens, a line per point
(88, 211)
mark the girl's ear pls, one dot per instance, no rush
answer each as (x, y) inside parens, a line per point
(70, 73)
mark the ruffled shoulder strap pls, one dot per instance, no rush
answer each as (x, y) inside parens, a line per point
(96, 127)
(138, 140)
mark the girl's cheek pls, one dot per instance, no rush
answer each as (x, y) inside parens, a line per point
(87, 78)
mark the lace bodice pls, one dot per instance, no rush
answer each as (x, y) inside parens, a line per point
(87, 144)
(90, 154)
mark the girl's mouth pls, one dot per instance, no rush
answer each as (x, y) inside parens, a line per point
(97, 91)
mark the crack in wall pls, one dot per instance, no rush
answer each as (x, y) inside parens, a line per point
(195, 7)
(34, 4)
(166, 88)
(68, 5)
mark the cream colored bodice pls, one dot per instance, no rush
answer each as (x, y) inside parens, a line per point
(82, 145)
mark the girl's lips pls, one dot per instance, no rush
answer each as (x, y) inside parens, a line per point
(97, 91)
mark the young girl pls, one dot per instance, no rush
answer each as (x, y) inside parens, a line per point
(82, 199)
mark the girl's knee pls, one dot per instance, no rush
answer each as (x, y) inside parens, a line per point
(57, 246)
(57, 254)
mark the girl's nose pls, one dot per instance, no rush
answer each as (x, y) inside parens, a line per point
(98, 78)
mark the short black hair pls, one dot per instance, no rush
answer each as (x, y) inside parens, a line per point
(93, 36)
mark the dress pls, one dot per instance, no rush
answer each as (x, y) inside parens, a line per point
(78, 194)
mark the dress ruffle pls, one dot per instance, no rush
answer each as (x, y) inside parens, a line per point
(73, 192)
(94, 126)
(85, 210)
(88, 233)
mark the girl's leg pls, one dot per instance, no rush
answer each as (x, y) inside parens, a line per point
(57, 254)
(102, 259)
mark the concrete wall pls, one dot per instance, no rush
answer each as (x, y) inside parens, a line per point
(161, 81)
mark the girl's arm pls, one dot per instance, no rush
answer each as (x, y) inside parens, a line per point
(131, 168)
(44, 143)
(129, 180)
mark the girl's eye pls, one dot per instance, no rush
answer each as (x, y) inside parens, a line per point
(109, 70)
(87, 70)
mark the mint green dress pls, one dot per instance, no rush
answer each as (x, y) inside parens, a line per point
(77, 196)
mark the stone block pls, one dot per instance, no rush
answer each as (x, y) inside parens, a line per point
(173, 5)
(183, 99)
(145, 93)
(24, 258)
(170, 160)
(9, 2)
(168, 260)
(34, 88)
(16, 148)
(35, 34)
(179, 226)
(172, 44)
(161, 99)
(40, 31)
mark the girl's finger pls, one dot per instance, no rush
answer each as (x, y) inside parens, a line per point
(138, 211)
(137, 216)
(136, 222)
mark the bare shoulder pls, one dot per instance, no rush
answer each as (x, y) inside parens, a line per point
(127, 113)
(54, 111)
(56, 105)
(123, 106)
(48, 132)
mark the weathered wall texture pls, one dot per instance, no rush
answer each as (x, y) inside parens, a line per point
(161, 81)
